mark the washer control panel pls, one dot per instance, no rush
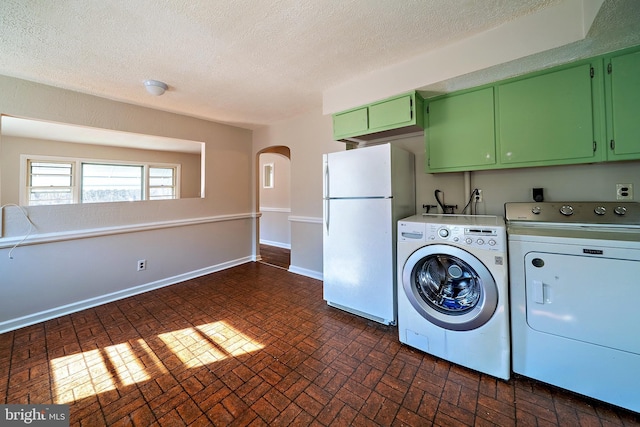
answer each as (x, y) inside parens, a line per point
(471, 236)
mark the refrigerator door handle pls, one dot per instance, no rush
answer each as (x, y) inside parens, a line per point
(326, 214)
(326, 196)
(326, 180)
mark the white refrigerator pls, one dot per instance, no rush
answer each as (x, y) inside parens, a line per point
(365, 192)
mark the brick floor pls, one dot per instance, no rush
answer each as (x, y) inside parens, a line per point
(256, 345)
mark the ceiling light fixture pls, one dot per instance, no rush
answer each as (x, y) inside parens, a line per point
(155, 87)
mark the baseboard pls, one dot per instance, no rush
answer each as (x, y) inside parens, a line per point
(21, 322)
(276, 244)
(306, 272)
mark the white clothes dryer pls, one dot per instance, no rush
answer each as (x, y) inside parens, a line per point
(453, 299)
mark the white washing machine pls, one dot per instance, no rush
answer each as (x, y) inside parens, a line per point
(453, 299)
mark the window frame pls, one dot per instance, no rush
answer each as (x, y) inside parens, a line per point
(76, 186)
(268, 175)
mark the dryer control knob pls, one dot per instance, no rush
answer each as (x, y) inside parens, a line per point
(468, 240)
(566, 210)
(480, 241)
(444, 233)
(492, 242)
(620, 210)
(432, 237)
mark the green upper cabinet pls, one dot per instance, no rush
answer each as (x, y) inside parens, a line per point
(351, 122)
(460, 132)
(622, 84)
(402, 113)
(550, 119)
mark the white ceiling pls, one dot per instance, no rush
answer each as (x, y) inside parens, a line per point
(243, 62)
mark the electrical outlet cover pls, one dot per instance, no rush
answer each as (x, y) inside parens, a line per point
(624, 191)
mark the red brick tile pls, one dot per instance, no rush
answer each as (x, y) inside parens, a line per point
(265, 410)
(330, 411)
(189, 411)
(409, 418)
(309, 404)
(387, 412)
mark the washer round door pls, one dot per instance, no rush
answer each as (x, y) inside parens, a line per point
(450, 287)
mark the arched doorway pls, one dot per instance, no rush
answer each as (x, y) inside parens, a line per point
(273, 201)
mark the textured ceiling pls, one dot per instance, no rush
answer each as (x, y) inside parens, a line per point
(244, 62)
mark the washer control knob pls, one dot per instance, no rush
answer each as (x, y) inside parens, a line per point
(455, 239)
(536, 210)
(480, 241)
(468, 240)
(492, 242)
(566, 210)
(432, 237)
(620, 210)
(444, 233)
(600, 210)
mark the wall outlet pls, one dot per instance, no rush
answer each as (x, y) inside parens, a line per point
(624, 191)
(477, 197)
(142, 264)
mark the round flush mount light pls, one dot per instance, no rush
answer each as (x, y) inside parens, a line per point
(155, 87)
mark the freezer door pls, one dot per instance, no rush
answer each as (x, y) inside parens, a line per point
(359, 257)
(364, 172)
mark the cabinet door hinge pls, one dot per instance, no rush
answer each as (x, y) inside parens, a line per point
(595, 145)
(592, 72)
(612, 144)
(609, 68)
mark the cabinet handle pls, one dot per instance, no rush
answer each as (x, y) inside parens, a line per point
(595, 145)
(612, 144)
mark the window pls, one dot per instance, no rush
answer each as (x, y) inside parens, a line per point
(267, 175)
(162, 183)
(52, 181)
(111, 183)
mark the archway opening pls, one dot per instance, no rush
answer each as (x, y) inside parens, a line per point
(273, 201)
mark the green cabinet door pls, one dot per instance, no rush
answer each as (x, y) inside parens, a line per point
(623, 107)
(391, 113)
(350, 123)
(548, 118)
(460, 133)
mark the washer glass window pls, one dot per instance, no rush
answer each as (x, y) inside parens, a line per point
(448, 284)
(450, 287)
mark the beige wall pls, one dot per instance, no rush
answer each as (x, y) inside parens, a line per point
(82, 255)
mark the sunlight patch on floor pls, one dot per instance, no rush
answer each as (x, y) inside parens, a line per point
(81, 375)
